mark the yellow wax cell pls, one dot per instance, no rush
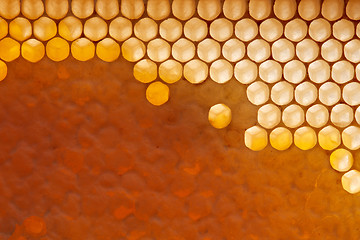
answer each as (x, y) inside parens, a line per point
(3, 28)
(70, 28)
(133, 49)
(20, 29)
(351, 181)
(3, 70)
(9, 49)
(108, 50)
(341, 160)
(170, 71)
(256, 138)
(157, 93)
(329, 138)
(281, 138)
(32, 50)
(57, 49)
(44, 28)
(83, 49)
(145, 71)
(305, 138)
(219, 116)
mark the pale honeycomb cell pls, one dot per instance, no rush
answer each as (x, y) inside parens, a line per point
(196, 71)
(343, 30)
(9, 9)
(70, 28)
(357, 115)
(260, 9)
(309, 9)
(146, 29)
(3, 28)
(307, 50)
(285, 9)
(82, 8)
(219, 116)
(258, 50)
(342, 115)
(234, 9)
(209, 9)
(157, 93)
(95, 29)
(183, 9)
(282, 93)
(246, 71)
(353, 9)
(329, 93)
(281, 138)
(317, 116)
(319, 71)
(270, 71)
(351, 137)
(20, 29)
(221, 71)
(170, 29)
(358, 30)
(233, 50)
(351, 181)
(305, 138)
(56, 9)
(158, 9)
(351, 93)
(3, 70)
(208, 50)
(32, 50)
(158, 50)
(256, 138)
(57, 49)
(107, 9)
(271, 29)
(133, 49)
(331, 50)
(294, 71)
(341, 160)
(269, 116)
(221, 29)
(108, 50)
(332, 9)
(283, 50)
(82, 49)
(120, 29)
(44, 28)
(132, 9)
(195, 29)
(296, 30)
(9, 49)
(329, 138)
(305, 93)
(357, 72)
(32, 9)
(352, 51)
(342, 72)
(145, 71)
(183, 50)
(170, 71)
(246, 29)
(319, 30)
(258, 93)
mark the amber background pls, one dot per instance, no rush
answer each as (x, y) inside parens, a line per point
(83, 149)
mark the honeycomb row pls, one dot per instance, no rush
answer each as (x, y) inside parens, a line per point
(160, 9)
(305, 138)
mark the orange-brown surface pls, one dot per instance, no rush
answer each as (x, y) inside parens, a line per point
(83, 155)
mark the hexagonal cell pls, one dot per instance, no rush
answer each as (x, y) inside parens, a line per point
(342, 72)
(331, 50)
(183, 50)
(281, 138)
(343, 30)
(342, 115)
(20, 29)
(70, 28)
(305, 138)
(329, 138)
(332, 9)
(293, 116)
(269, 116)
(294, 71)
(158, 9)
(270, 71)
(351, 137)
(95, 28)
(271, 29)
(146, 29)
(305, 93)
(195, 29)
(233, 50)
(317, 115)
(282, 93)
(120, 29)
(221, 71)
(57, 49)
(170, 71)
(352, 9)
(44, 28)
(32, 50)
(319, 30)
(258, 50)
(196, 71)
(341, 160)
(351, 181)
(208, 50)
(82, 49)
(157, 93)
(133, 49)
(296, 30)
(158, 50)
(351, 93)
(309, 9)
(170, 29)
(352, 51)
(183, 10)
(285, 9)
(221, 29)
(357, 115)
(209, 9)
(260, 10)
(145, 71)
(246, 71)
(108, 50)
(283, 50)
(307, 50)
(246, 29)
(219, 116)
(258, 93)
(256, 138)
(357, 71)
(329, 93)
(319, 71)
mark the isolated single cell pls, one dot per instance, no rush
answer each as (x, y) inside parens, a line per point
(219, 116)
(157, 93)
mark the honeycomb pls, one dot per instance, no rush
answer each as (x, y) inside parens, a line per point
(85, 155)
